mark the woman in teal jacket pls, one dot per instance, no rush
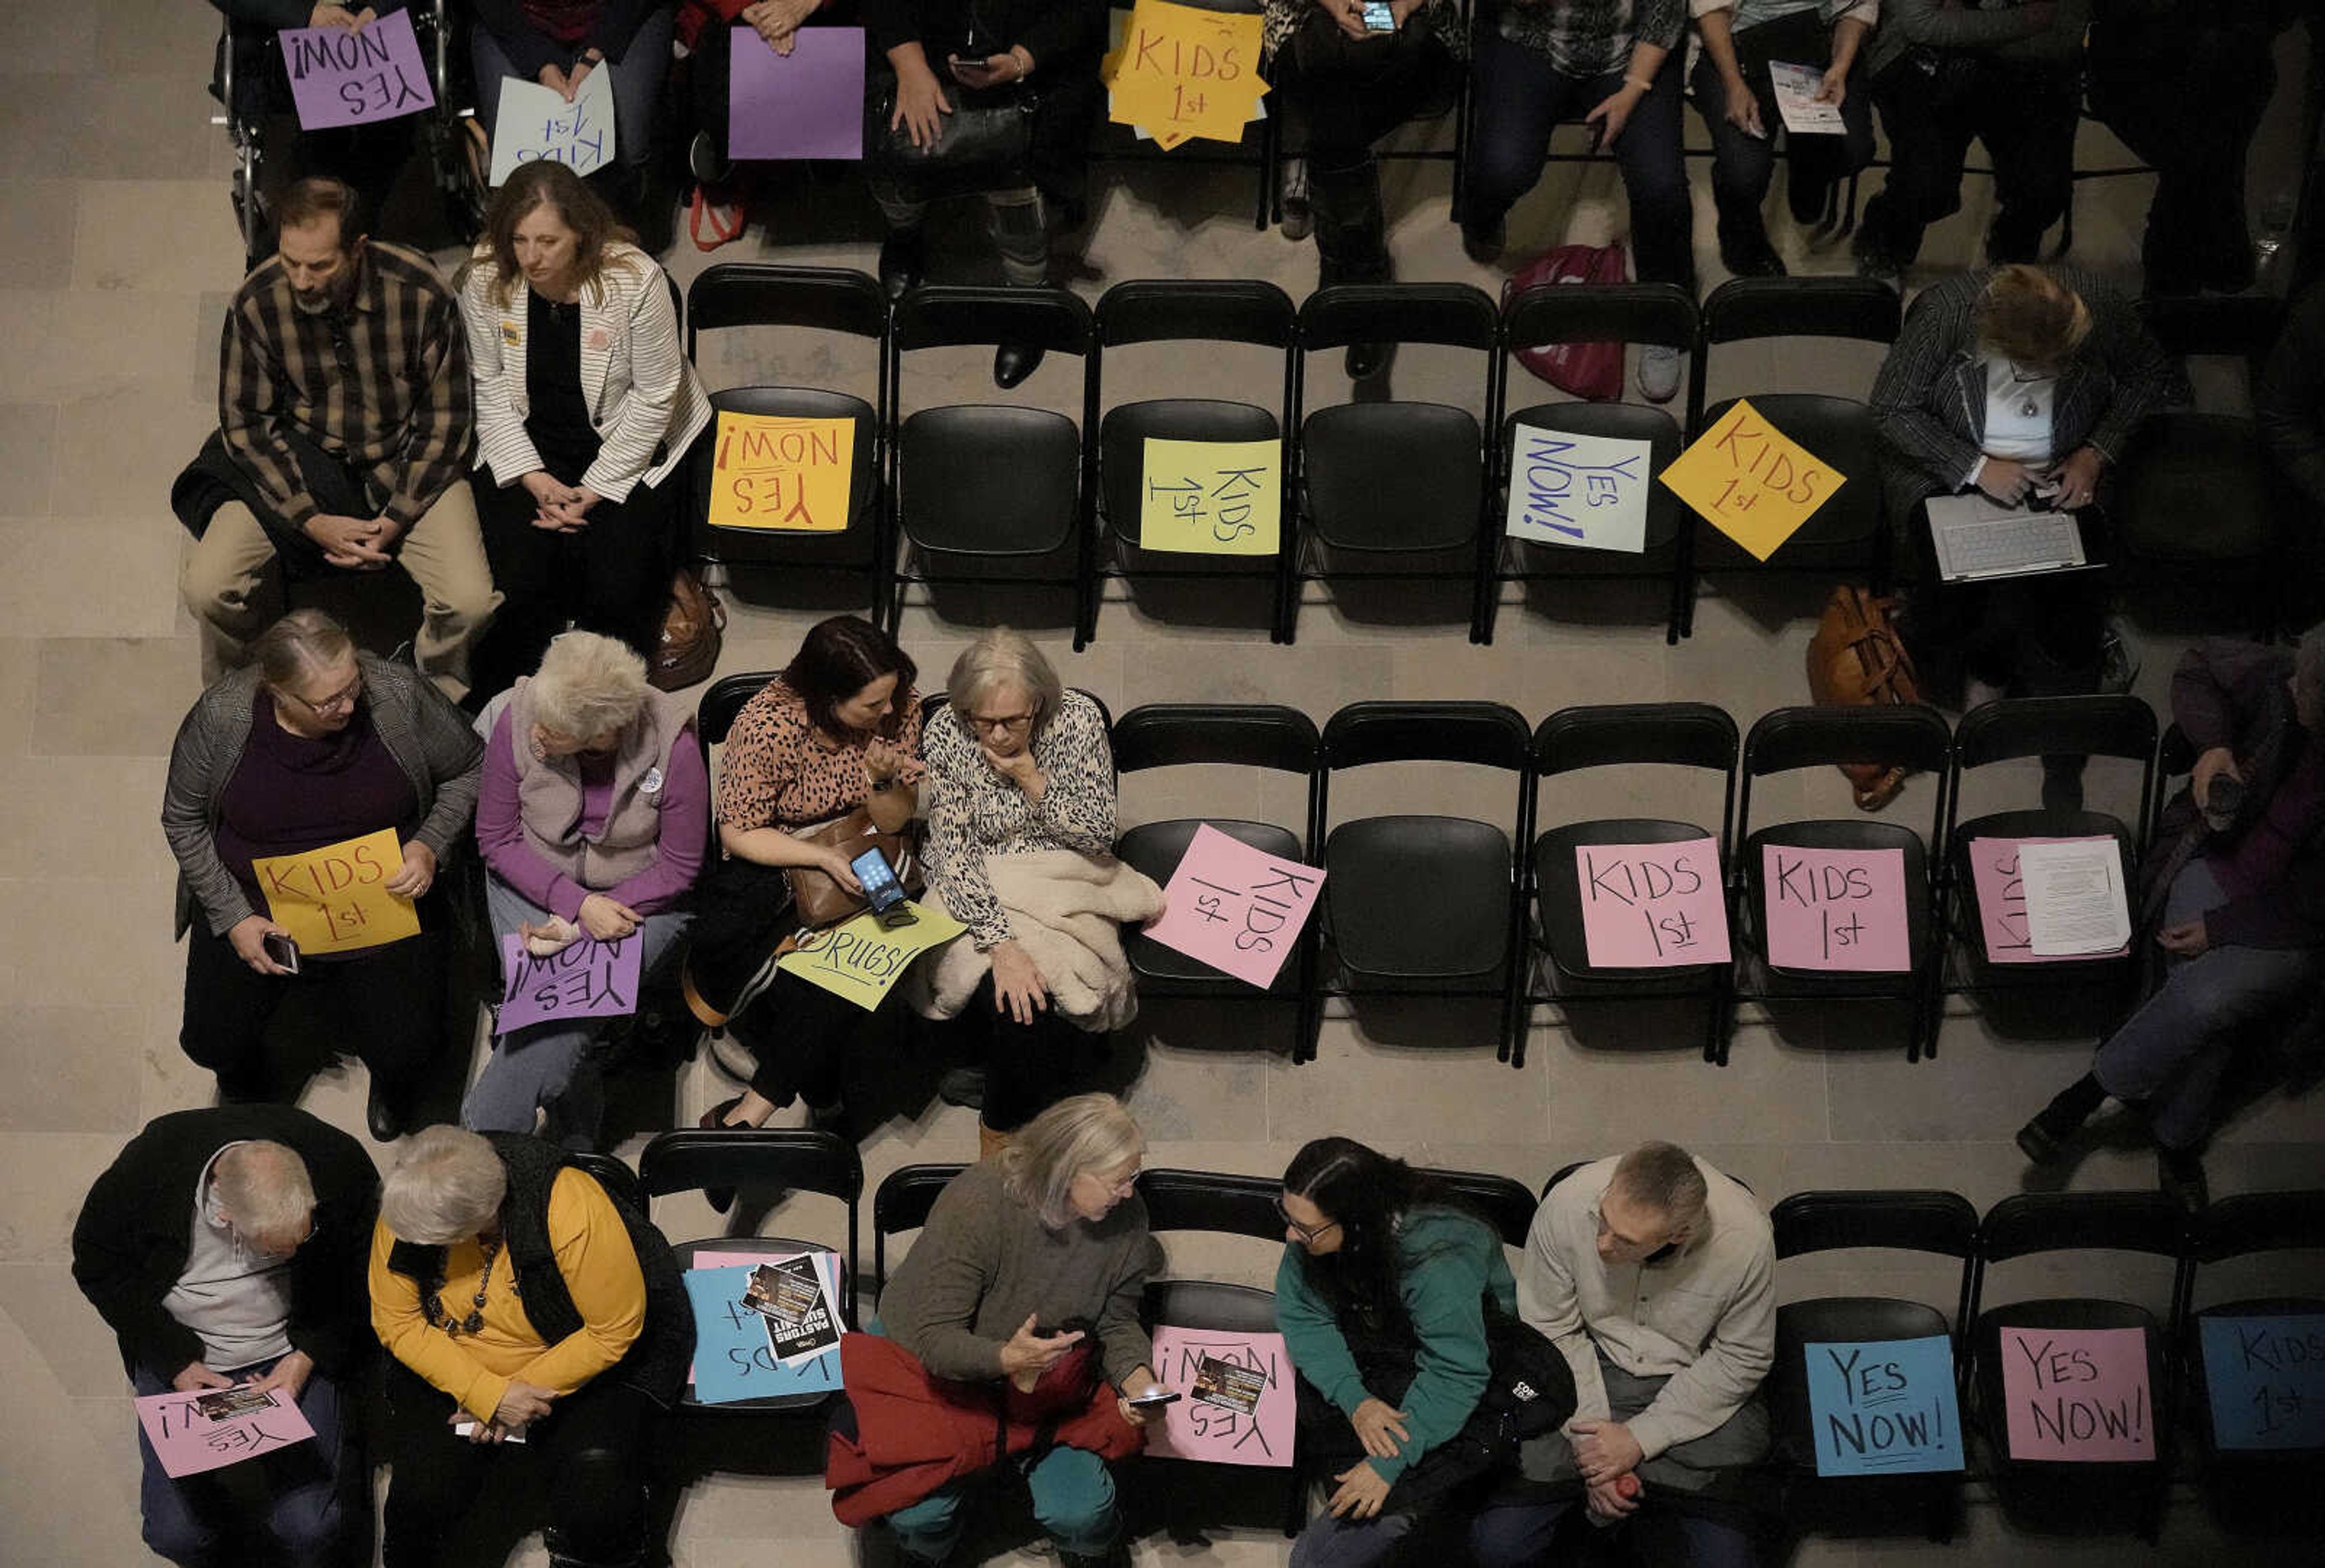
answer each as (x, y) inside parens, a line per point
(1384, 1297)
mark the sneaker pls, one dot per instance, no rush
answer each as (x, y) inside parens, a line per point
(703, 160)
(1658, 373)
(1482, 242)
(1298, 215)
(732, 1057)
(2118, 658)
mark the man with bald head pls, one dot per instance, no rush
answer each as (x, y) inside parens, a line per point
(228, 1247)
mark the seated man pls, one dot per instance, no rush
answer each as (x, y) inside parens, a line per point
(2236, 894)
(344, 425)
(225, 1247)
(1655, 1276)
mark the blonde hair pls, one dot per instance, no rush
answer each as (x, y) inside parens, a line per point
(447, 1186)
(266, 1194)
(2028, 317)
(303, 640)
(1664, 1177)
(1003, 657)
(1088, 1132)
(588, 685)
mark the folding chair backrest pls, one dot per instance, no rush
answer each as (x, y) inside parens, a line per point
(1659, 313)
(1825, 736)
(1501, 1202)
(2031, 1222)
(902, 1202)
(1196, 309)
(935, 317)
(1800, 307)
(693, 1158)
(612, 1175)
(2259, 1222)
(2237, 326)
(1232, 734)
(1634, 734)
(1486, 734)
(1452, 315)
(760, 295)
(1906, 1220)
(2099, 725)
(1211, 1201)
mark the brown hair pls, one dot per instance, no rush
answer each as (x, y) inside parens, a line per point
(320, 196)
(840, 657)
(303, 640)
(2030, 318)
(1662, 1177)
(546, 183)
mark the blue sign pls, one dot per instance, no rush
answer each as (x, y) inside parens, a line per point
(2267, 1378)
(1884, 1407)
(733, 1359)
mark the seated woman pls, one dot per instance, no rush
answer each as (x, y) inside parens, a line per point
(1048, 1233)
(557, 43)
(837, 732)
(310, 745)
(2236, 895)
(517, 1297)
(1021, 851)
(586, 407)
(1736, 94)
(1383, 1295)
(592, 823)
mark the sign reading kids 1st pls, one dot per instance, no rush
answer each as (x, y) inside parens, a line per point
(335, 899)
(1836, 909)
(786, 475)
(1751, 481)
(1180, 72)
(1212, 497)
(1652, 905)
(342, 76)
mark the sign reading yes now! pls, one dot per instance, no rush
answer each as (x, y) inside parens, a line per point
(1587, 492)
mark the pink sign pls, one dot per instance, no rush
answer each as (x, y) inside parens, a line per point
(344, 77)
(2002, 900)
(1235, 908)
(1652, 905)
(1235, 1404)
(1836, 909)
(216, 1427)
(2078, 1394)
(588, 980)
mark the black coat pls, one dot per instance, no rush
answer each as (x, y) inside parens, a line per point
(136, 1228)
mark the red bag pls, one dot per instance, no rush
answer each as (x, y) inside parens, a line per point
(1587, 370)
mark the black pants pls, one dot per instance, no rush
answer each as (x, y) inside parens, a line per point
(2025, 114)
(386, 1004)
(2032, 636)
(1029, 1067)
(1351, 92)
(801, 1033)
(592, 1448)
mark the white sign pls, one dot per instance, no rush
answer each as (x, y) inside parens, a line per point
(2075, 902)
(1797, 86)
(1587, 492)
(536, 122)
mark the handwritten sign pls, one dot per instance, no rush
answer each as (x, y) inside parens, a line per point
(2266, 1379)
(776, 472)
(1884, 1407)
(733, 1358)
(586, 979)
(193, 1433)
(339, 77)
(536, 122)
(807, 104)
(1181, 73)
(335, 899)
(1587, 492)
(1235, 909)
(1239, 1407)
(2002, 898)
(861, 959)
(1212, 497)
(1751, 481)
(1836, 909)
(1652, 905)
(2078, 1395)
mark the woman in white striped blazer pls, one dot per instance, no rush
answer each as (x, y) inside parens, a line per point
(585, 407)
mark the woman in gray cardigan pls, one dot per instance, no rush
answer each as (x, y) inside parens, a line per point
(312, 745)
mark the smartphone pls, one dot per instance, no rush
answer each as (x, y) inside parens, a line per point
(882, 889)
(1154, 1400)
(283, 951)
(1378, 17)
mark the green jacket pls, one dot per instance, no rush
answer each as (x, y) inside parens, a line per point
(1450, 1262)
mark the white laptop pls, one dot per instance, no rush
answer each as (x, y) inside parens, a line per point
(1977, 538)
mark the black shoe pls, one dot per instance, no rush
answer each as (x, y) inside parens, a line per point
(1750, 258)
(900, 263)
(1014, 362)
(1876, 260)
(963, 1086)
(382, 1115)
(2040, 1144)
(1365, 360)
(1482, 242)
(2181, 1174)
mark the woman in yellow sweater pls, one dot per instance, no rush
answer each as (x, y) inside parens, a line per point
(519, 1299)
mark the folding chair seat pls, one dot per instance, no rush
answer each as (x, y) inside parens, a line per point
(2262, 1469)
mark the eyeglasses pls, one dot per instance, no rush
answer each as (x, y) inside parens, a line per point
(1126, 1188)
(1005, 724)
(338, 702)
(1310, 1234)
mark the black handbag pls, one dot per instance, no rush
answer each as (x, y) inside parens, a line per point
(988, 132)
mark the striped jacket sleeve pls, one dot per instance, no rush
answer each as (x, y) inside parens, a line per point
(502, 444)
(1904, 397)
(657, 370)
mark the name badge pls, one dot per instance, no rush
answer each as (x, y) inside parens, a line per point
(509, 334)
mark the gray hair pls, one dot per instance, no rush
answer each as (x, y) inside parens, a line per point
(1004, 658)
(447, 1186)
(1664, 1177)
(1088, 1132)
(588, 685)
(266, 1194)
(303, 640)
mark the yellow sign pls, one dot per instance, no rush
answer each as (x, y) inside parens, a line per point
(776, 472)
(1210, 498)
(335, 899)
(861, 959)
(1751, 481)
(1181, 73)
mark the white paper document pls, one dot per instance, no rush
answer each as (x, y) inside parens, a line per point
(536, 122)
(1797, 86)
(1587, 492)
(2075, 897)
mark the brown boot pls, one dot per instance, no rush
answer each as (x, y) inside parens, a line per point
(988, 1142)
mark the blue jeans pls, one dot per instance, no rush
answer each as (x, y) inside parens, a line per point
(1073, 1498)
(190, 1520)
(2171, 1051)
(637, 81)
(1519, 1533)
(1330, 1542)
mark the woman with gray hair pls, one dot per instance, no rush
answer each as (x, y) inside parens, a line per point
(310, 745)
(518, 1297)
(1019, 850)
(592, 822)
(1026, 1255)
(2236, 899)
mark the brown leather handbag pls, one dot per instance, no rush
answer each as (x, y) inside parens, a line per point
(817, 900)
(1857, 657)
(692, 629)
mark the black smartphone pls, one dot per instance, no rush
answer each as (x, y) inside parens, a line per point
(1154, 1400)
(283, 951)
(882, 889)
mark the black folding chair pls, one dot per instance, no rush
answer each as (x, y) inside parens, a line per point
(745, 296)
(989, 483)
(1691, 735)
(1796, 738)
(1426, 905)
(1235, 735)
(1505, 1204)
(1380, 480)
(1182, 313)
(902, 1202)
(612, 1175)
(1551, 313)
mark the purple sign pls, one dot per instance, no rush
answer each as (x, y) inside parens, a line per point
(588, 980)
(342, 77)
(807, 104)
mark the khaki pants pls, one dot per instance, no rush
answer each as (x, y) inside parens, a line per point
(222, 581)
